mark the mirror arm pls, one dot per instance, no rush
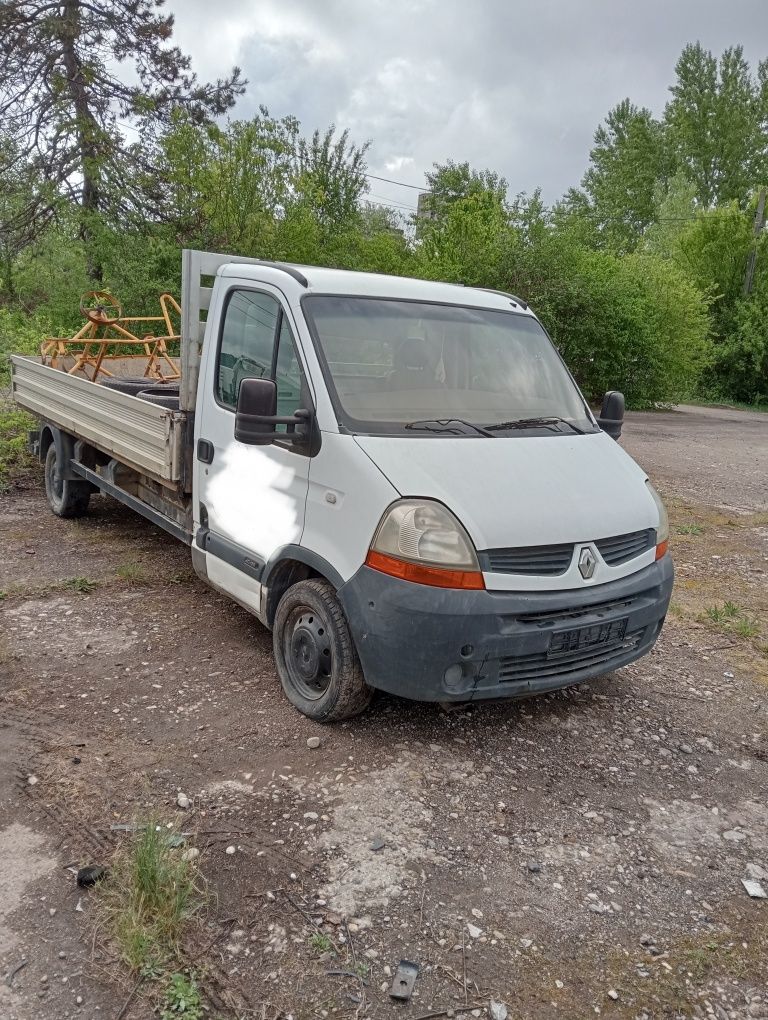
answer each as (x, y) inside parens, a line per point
(301, 417)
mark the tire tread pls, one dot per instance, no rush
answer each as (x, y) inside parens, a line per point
(354, 695)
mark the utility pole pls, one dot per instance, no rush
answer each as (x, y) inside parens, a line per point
(759, 226)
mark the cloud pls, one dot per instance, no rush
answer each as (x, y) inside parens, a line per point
(517, 86)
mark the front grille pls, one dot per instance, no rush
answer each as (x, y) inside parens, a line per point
(621, 548)
(551, 560)
(531, 667)
(593, 609)
(533, 559)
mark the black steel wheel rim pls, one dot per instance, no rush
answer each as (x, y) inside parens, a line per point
(307, 653)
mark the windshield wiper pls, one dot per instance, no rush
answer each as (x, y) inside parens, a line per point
(535, 423)
(447, 425)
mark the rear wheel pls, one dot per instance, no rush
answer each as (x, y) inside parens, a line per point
(316, 658)
(67, 498)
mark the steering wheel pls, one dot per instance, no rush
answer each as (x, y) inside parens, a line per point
(100, 307)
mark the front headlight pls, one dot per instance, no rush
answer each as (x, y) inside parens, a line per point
(662, 529)
(420, 540)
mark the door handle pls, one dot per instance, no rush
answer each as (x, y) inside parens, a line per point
(205, 451)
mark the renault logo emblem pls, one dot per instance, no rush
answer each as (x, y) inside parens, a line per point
(587, 563)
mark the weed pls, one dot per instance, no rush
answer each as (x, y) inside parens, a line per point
(149, 898)
(675, 609)
(131, 571)
(181, 998)
(690, 529)
(80, 584)
(733, 618)
(321, 943)
(726, 613)
(746, 627)
(361, 970)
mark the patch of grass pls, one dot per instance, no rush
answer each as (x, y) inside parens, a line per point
(149, 898)
(80, 584)
(131, 571)
(760, 405)
(726, 613)
(689, 529)
(746, 627)
(14, 426)
(733, 618)
(182, 998)
(321, 943)
(675, 608)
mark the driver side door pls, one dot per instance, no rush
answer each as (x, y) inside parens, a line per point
(251, 498)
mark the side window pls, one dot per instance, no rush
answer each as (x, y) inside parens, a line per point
(291, 385)
(287, 372)
(247, 342)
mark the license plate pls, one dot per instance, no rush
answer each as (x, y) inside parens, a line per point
(587, 637)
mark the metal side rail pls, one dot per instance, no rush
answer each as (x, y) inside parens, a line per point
(133, 502)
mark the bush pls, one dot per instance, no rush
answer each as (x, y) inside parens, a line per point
(634, 323)
(740, 364)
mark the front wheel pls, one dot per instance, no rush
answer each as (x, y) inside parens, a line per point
(67, 498)
(315, 655)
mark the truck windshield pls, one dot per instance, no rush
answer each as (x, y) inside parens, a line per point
(394, 366)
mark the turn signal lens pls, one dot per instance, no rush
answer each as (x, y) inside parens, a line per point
(662, 530)
(437, 577)
(662, 548)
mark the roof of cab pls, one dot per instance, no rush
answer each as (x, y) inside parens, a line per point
(320, 280)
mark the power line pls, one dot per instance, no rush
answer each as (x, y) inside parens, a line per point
(395, 205)
(400, 184)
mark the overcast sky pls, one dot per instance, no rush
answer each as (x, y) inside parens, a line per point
(517, 86)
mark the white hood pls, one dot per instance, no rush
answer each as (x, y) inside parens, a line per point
(522, 490)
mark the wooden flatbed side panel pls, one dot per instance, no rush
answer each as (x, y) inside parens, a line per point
(134, 431)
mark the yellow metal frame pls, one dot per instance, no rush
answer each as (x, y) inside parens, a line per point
(90, 344)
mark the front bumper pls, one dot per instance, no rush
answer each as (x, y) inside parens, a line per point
(433, 644)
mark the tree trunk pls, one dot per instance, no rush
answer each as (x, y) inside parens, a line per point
(87, 132)
(7, 276)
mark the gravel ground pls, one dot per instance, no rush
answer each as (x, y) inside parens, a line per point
(575, 855)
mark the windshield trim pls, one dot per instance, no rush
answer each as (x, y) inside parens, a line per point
(360, 427)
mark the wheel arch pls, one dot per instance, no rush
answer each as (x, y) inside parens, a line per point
(288, 565)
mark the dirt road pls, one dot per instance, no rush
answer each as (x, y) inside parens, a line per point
(576, 855)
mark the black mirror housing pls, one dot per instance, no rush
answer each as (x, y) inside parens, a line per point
(256, 420)
(256, 405)
(612, 413)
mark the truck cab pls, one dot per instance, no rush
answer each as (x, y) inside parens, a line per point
(403, 481)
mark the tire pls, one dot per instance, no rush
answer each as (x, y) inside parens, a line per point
(315, 655)
(155, 396)
(66, 498)
(133, 385)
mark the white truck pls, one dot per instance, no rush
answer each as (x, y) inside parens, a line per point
(399, 478)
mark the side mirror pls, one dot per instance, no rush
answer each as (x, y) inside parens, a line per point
(255, 418)
(612, 413)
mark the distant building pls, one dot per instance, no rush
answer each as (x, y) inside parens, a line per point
(425, 207)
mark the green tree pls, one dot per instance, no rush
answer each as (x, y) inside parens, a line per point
(676, 209)
(24, 211)
(467, 227)
(330, 176)
(628, 160)
(61, 96)
(223, 188)
(718, 124)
